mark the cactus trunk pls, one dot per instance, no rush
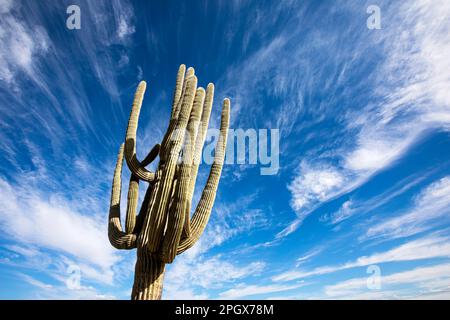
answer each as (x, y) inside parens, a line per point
(148, 277)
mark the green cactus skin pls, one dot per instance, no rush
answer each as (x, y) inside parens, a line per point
(164, 227)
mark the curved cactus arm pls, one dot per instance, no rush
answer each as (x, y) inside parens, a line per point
(177, 213)
(155, 223)
(130, 140)
(203, 211)
(132, 202)
(133, 191)
(151, 155)
(117, 237)
(198, 148)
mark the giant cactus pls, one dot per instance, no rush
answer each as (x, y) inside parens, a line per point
(164, 226)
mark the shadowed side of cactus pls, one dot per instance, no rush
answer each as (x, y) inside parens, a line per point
(164, 226)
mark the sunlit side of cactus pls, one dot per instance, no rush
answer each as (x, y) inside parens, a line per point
(164, 226)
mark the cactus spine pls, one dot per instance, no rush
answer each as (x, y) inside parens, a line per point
(164, 227)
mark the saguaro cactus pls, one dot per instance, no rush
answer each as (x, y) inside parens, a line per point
(164, 227)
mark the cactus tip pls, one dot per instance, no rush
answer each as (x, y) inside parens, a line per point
(190, 72)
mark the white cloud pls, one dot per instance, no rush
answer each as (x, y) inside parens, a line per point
(29, 217)
(35, 282)
(188, 276)
(228, 219)
(245, 290)
(183, 294)
(423, 281)
(431, 204)
(31, 61)
(28, 252)
(20, 45)
(5, 6)
(125, 29)
(376, 151)
(140, 73)
(195, 271)
(313, 183)
(61, 292)
(307, 257)
(412, 101)
(421, 54)
(287, 230)
(422, 248)
(405, 106)
(344, 212)
(361, 206)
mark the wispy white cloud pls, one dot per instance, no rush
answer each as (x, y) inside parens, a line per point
(124, 29)
(431, 204)
(194, 277)
(26, 251)
(402, 109)
(424, 283)
(246, 290)
(32, 60)
(309, 255)
(422, 248)
(42, 290)
(35, 282)
(197, 271)
(287, 230)
(5, 6)
(19, 46)
(315, 183)
(51, 223)
(228, 220)
(288, 69)
(53, 229)
(359, 207)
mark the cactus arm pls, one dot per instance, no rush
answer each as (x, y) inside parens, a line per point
(151, 155)
(176, 112)
(133, 191)
(154, 225)
(177, 94)
(177, 213)
(180, 88)
(133, 195)
(130, 141)
(199, 142)
(195, 133)
(203, 211)
(117, 237)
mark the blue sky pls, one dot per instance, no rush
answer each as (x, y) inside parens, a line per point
(364, 120)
